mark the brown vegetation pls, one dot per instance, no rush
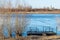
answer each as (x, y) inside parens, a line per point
(9, 9)
(31, 10)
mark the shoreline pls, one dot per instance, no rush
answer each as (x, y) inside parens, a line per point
(47, 12)
(31, 12)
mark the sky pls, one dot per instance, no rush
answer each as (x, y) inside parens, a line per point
(44, 3)
(37, 3)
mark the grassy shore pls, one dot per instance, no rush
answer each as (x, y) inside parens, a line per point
(33, 38)
(36, 12)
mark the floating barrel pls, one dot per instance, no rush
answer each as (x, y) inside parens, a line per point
(13, 34)
(5, 32)
(24, 34)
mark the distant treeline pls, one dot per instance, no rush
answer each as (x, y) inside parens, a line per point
(27, 10)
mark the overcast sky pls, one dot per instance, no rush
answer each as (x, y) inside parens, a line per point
(37, 3)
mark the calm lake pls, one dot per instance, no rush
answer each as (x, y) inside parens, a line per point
(33, 22)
